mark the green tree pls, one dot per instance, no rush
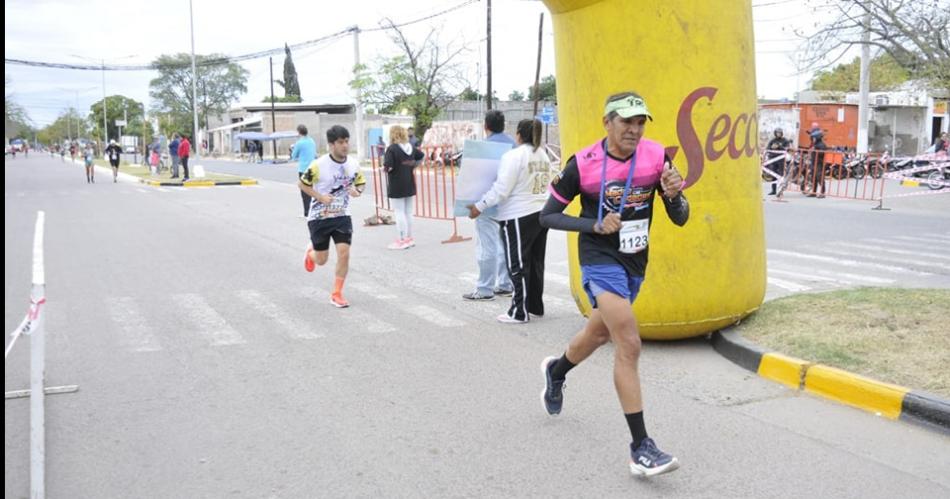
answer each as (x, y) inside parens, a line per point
(290, 83)
(419, 80)
(16, 121)
(516, 96)
(469, 94)
(915, 34)
(68, 125)
(886, 74)
(219, 83)
(547, 88)
(118, 107)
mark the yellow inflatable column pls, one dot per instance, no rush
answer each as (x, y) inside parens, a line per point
(693, 61)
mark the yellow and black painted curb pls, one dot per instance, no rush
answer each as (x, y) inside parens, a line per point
(198, 183)
(910, 183)
(890, 401)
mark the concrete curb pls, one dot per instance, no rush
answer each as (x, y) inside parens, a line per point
(884, 399)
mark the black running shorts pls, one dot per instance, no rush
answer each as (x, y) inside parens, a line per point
(340, 229)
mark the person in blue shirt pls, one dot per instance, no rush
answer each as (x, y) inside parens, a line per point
(173, 152)
(304, 151)
(492, 268)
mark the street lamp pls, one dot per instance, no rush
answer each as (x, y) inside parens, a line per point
(69, 125)
(105, 122)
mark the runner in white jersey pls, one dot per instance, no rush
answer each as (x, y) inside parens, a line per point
(331, 181)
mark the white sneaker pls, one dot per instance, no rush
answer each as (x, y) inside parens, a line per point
(506, 319)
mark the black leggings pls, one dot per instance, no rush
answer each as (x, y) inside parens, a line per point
(184, 165)
(818, 169)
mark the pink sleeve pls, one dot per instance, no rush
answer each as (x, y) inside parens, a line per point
(557, 196)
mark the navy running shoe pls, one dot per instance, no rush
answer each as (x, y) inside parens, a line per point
(552, 396)
(647, 460)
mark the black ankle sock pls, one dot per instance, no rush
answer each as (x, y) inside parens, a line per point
(637, 428)
(561, 367)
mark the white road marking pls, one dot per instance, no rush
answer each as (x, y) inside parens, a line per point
(846, 262)
(834, 275)
(889, 258)
(209, 323)
(137, 334)
(787, 285)
(266, 307)
(372, 290)
(434, 316)
(871, 251)
(929, 238)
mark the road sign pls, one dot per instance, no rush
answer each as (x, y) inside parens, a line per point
(547, 115)
(120, 123)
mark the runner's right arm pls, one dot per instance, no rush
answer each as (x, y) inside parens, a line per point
(563, 189)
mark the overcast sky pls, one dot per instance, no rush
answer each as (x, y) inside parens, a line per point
(56, 31)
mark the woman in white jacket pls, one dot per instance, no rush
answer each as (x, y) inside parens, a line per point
(519, 193)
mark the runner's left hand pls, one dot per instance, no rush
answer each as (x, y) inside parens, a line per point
(671, 181)
(354, 192)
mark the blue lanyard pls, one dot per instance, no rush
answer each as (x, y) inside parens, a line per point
(603, 185)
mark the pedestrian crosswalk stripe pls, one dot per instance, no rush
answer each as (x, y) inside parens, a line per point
(929, 239)
(136, 333)
(434, 316)
(846, 262)
(372, 290)
(834, 275)
(919, 263)
(787, 285)
(365, 320)
(206, 321)
(273, 312)
(873, 249)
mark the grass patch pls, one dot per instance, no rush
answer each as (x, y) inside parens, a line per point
(900, 336)
(144, 173)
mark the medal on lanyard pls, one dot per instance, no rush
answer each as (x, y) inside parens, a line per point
(603, 185)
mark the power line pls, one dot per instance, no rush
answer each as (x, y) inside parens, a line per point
(778, 2)
(227, 59)
(437, 14)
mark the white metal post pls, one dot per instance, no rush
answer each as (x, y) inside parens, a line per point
(357, 143)
(37, 369)
(865, 86)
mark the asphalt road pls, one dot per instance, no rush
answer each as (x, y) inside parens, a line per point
(211, 365)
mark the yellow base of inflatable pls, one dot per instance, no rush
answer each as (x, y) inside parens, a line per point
(693, 62)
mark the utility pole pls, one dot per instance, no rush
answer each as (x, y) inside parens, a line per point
(105, 122)
(194, 84)
(537, 70)
(359, 94)
(273, 115)
(865, 86)
(488, 96)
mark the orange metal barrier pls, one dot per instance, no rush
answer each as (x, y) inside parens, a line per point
(827, 173)
(435, 178)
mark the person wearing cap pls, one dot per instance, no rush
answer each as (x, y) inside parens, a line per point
(817, 153)
(776, 148)
(113, 151)
(617, 180)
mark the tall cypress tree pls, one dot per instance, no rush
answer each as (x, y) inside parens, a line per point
(291, 83)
